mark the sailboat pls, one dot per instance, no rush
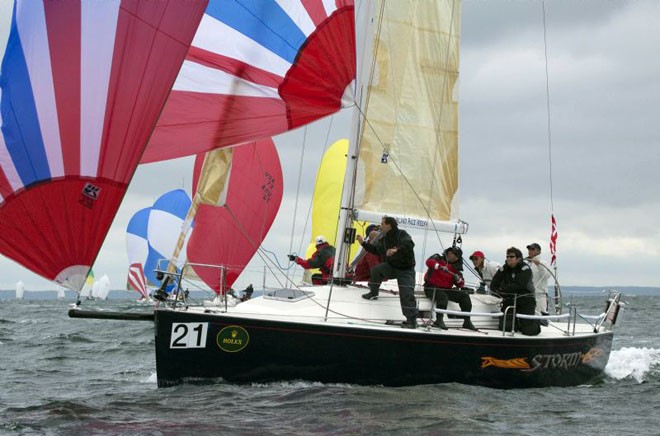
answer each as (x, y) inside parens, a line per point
(395, 63)
(405, 137)
(151, 235)
(20, 290)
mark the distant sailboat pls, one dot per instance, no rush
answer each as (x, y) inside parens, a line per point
(238, 192)
(152, 235)
(103, 287)
(137, 281)
(20, 290)
(60, 292)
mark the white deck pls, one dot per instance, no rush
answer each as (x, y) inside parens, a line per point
(347, 307)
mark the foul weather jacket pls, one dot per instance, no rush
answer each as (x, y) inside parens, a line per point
(404, 258)
(513, 281)
(437, 277)
(323, 259)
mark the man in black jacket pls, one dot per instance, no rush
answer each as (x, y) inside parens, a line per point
(396, 248)
(513, 282)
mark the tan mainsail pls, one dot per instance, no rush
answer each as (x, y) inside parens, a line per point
(408, 158)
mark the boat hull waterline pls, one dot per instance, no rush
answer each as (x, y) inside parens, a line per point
(199, 346)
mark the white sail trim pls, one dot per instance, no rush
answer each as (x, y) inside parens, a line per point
(460, 227)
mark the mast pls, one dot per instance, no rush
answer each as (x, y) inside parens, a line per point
(365, 26)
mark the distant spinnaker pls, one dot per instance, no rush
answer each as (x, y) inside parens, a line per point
(152, 234)
(236, 211)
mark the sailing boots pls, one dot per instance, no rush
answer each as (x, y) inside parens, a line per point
(370, 296)
(439, 323)
(411, 323)
(467, 324)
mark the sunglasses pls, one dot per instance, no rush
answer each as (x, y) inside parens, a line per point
(511, 256)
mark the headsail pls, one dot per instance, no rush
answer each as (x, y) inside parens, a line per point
(240, 191)
(256, 69)
(82, 84)
(408, 152)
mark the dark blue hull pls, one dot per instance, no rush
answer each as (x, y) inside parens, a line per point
(249, 350)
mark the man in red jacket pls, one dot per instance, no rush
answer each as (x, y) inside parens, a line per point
(323, 259)
(443, 282)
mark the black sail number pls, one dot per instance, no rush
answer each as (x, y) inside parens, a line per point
(188, 335)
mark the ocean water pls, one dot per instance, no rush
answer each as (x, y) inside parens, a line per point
(63, 376)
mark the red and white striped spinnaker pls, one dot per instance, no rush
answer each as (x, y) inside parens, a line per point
(81, 87)
(256, 69)
(136, 279)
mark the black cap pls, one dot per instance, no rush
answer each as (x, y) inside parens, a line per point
(534, 246)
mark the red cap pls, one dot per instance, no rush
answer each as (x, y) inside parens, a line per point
(477, 254)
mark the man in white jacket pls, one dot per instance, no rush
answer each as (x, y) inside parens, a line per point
(486, 269)
(540, 276)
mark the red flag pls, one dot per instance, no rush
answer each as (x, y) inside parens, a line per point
(553, 241)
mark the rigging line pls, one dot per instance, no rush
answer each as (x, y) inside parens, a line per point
(547, 100)
(295, 206)
(311, 203)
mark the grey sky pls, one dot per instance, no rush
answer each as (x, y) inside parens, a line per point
(604, 82)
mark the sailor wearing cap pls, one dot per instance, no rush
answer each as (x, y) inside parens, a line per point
(540, 276)
(486, 269)
(323, 259)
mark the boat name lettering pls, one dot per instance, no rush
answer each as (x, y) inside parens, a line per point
(232, 338)
(560, 360)
(412, 222)
(564, 360)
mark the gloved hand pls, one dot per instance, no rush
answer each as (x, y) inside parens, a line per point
(292, 257)
(444, 268)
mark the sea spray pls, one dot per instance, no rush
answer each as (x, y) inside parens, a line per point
(637, 363)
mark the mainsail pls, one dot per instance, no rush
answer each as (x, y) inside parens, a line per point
(81, 87)
(408, 151)
(256, 69)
